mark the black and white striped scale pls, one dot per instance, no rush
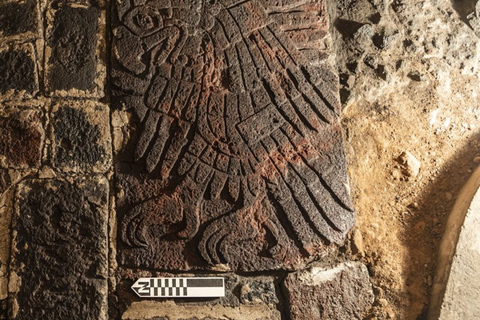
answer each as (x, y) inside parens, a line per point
(181, 287)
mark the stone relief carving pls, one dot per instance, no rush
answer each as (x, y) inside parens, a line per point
(236, 156)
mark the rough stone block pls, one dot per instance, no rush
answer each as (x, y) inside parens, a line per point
(80, 136)
(3, 310)
(18, 72)
(236, 157)
(5, 232)
(19, 20)
(74, 53)
(246, 298)
(21, 138)
(341, 293)
(87, 3)
(59, 262)
(168, 310)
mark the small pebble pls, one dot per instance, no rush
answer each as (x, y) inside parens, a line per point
(410, 164)
(357, 243)
(413, 205)
(420, 226)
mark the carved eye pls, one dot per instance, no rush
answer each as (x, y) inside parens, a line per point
(143, 21)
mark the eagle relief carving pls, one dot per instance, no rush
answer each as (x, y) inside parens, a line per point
(236, 154)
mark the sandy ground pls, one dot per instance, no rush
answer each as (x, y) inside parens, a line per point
(409, 72)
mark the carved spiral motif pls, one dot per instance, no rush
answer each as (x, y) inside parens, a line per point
(143, 21)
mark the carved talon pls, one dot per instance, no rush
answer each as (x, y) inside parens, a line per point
(191, 219)
(150, 220)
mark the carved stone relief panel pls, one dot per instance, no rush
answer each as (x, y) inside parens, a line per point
(235, 158)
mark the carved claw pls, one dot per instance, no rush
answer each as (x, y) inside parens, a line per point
(191, 218)
(151, 220)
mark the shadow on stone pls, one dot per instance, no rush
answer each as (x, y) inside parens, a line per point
(428, 219)
(347, 28)
(464, 8)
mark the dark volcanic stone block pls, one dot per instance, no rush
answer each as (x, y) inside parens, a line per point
(21, 138)
(80, 135)
(18, 72)
(19, 19)
(74, 59)
(236, 157)
(341, 293)
(3, 310)
(59, 260)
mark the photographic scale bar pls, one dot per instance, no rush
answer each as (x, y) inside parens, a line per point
(195, 287)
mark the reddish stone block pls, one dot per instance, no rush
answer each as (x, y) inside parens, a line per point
(21, 139)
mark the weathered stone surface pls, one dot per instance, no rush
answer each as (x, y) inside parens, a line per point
(168, 310)
(5, 233)
(74, 52)
(21, 139)
(59, 251)
(3, 310)
(19, 20)
(341, 293)
(86, 3)
(80, 136)
(474, 19)
(409, 164)
(456, 289)
(237, 155)
(18, 72)
(245, 298)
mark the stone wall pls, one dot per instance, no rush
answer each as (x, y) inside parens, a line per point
(56, 160)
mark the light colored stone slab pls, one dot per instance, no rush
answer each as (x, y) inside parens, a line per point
(456, 289)
(341, 293)
(168, 310)
(5, 232)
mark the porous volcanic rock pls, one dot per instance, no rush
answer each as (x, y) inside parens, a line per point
(236, 154)
(59, 253)
(18, 72)
(21, 138)
(80, 136)
(74, 52)
(340, 293)
(19, 20)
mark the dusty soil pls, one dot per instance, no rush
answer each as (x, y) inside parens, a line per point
(409, 72)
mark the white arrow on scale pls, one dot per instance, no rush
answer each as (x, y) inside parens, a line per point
(195, 287)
